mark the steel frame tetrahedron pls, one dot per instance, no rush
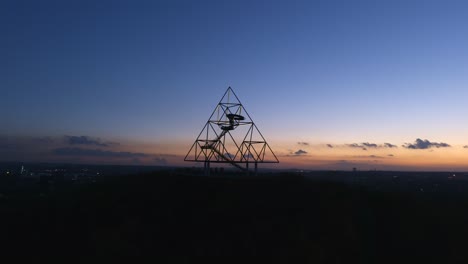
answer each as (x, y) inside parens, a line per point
(231, 136)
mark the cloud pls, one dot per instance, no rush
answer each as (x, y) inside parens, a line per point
(330, 145)
(85, 140)
(369, 145)
(390, 155)
(369, 156)
(18, 143)
(300, 152)
(465, 146)
(303, 143)
(5, 145)
(425, 144)
(248, 156)
(79, 152)
(355, 145)
(43, 140)
(389, 145)
(59, 149)
(229, 155)
(160, 161)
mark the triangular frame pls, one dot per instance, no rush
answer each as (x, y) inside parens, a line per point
(211, 145)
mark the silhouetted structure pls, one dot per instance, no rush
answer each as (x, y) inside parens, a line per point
(231, 136)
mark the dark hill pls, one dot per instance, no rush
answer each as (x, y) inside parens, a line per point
(161, 214)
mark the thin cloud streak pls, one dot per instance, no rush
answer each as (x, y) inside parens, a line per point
(80, 152)
(86, 140)
(367, 145)
(369, 156)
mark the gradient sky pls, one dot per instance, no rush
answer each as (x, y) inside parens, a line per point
(135, 81)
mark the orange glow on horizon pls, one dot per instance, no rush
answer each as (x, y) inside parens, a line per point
(301, 155)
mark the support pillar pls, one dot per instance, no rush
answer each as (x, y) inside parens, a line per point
(207, 168)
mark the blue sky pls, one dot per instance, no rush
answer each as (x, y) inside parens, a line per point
(315, 71)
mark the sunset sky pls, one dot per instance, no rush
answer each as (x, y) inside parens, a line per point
(330, 84)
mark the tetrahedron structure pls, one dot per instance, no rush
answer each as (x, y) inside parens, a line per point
(231, 136)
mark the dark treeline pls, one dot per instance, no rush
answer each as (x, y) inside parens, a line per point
(168, 214)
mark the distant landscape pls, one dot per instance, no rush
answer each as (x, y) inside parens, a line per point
(97, 213)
